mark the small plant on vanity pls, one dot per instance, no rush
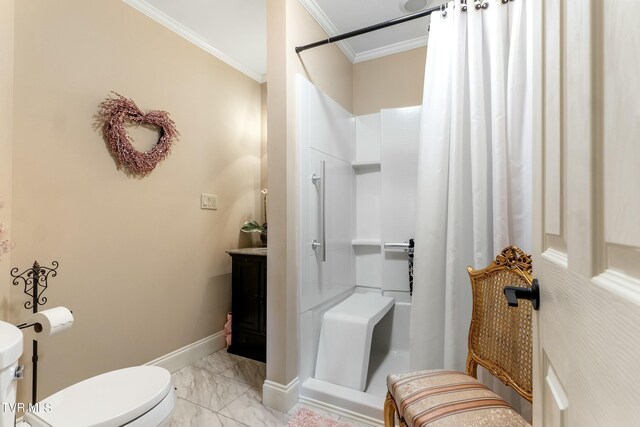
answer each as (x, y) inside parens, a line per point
(253, 226)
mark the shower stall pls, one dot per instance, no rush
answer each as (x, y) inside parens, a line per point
(358, 177)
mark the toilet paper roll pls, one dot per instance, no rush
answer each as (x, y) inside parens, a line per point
(50, 322)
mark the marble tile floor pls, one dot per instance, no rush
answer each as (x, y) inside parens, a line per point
(224, 390)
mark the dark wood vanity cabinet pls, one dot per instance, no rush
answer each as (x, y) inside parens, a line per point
(249, 305)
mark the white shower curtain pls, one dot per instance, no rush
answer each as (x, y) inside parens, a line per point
(474, 180)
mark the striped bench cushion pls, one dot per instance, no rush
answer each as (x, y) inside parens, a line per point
(438, 398)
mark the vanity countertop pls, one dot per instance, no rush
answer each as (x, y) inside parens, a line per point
(248, 251)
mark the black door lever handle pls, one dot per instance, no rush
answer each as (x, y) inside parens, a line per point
(514, 293)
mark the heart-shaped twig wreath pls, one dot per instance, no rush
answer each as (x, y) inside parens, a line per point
(116, 113)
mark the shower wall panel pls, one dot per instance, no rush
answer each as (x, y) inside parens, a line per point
(326, 134)
(368, 257)
(400, 136)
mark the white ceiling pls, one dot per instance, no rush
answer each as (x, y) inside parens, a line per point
(341, 16)
(236, 31)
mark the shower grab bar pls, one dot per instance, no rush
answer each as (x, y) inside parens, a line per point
(396, 245)
(322, 244)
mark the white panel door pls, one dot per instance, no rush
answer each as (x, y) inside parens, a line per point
(586, 124)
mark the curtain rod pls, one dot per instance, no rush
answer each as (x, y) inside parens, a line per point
(370, 28)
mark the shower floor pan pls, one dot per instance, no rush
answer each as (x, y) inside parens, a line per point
(365, 405)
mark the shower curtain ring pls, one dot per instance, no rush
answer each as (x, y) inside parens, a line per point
(463, 3)
(444, 10)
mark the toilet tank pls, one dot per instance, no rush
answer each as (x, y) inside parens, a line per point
(10, 352)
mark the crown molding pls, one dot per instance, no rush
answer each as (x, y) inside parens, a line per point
(184, 32)
(328, 27)
(391, 49)
(316, 12)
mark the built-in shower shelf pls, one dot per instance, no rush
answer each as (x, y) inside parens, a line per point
(369, 165)
(366, 242)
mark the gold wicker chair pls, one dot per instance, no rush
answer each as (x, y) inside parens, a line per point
(500, 340)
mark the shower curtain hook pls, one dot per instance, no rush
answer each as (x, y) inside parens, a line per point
(444, 10)
(463, 3)
(480, 4)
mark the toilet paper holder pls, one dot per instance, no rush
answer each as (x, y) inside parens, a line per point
(35, 280)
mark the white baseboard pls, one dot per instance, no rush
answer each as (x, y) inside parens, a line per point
(280, 397)
(354, 416)
(191, 353)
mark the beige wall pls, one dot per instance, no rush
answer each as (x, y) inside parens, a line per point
(289, 25)
(141, 265)
(325, 66)
(6, 140)
(389, 82)
(263, 136)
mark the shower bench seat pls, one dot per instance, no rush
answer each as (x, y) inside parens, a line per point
(345, 339)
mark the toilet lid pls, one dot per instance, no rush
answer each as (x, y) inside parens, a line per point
(107, 400)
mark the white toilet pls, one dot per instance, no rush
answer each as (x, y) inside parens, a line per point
(141, 396)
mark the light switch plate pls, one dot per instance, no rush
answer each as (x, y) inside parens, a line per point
(208, 201)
